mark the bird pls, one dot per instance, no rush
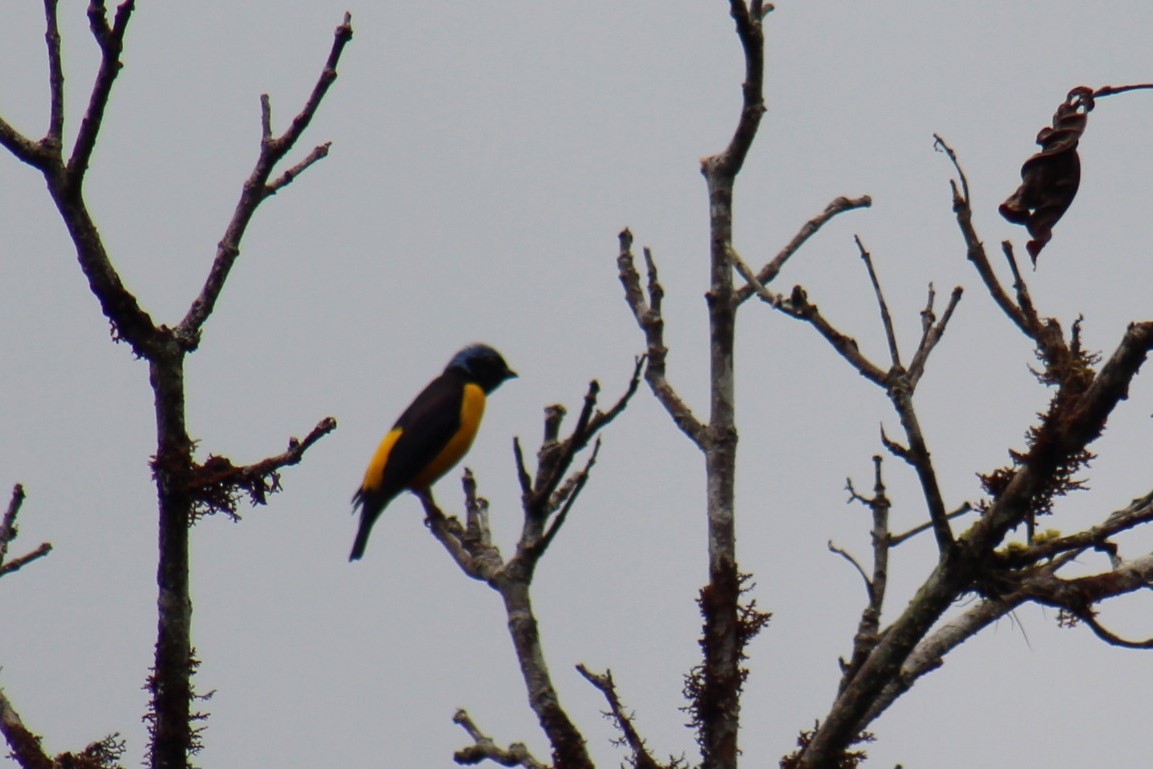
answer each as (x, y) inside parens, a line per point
(431, 436)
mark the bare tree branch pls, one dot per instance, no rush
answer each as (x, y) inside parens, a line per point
(25, 745)
(1024, 300)
(216, 484)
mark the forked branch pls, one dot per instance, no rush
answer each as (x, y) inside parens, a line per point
(483, 748)
(8, 533)
(258, 187)
(646, 307)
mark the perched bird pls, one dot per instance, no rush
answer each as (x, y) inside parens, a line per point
(431, 436)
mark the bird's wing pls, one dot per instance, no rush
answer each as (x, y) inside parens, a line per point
(426, 428)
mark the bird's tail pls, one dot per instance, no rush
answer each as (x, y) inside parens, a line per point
(361, 541)
(370, 504)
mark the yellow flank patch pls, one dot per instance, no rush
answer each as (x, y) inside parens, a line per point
(471, 411)
(374, 476)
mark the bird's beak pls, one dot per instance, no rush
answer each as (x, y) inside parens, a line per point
(511, 374)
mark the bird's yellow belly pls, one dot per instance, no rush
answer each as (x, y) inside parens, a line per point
(471, 411)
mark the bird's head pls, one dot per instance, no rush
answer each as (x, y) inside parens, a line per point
(483, 365)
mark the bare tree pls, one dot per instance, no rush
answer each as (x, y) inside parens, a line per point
(187, 488)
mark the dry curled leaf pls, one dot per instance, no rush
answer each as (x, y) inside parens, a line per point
(1049, 179)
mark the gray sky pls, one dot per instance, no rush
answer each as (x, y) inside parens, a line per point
(483, 161)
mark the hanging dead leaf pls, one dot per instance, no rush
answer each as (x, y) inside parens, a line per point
(1049, 179)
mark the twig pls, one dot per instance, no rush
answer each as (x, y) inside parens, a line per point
(571, 490)
(484, 749)
(900, 393)
(111, 42)
(647, 313)
(8, 522)
(868, 628)
(214, 486)
(798, 306)
(976, 249)
(8, 533)
(1024, 300)
(451, 535)
(55, 79)
(855, 563)
(522, 474)
(477, 527)
(931, 333)
(886, 318)
(641, 758)
(18, 563)
(290, 456)
(770, 298)
(319, 152)
(553, 461)
(896, 539)
(770, 271)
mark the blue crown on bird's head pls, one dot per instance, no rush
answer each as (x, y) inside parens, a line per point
(483, 365)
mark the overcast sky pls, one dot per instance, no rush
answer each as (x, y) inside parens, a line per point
(484, 159)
